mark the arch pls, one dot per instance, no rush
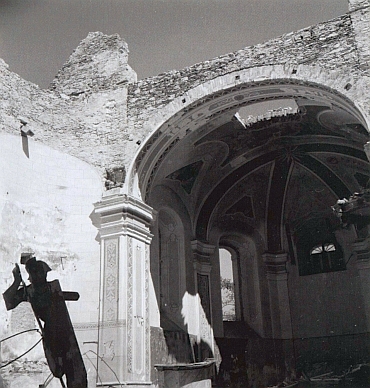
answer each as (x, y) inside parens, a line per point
(167, 262)
(223, 95)
(213, 104)
(248, 278)
(228, 291)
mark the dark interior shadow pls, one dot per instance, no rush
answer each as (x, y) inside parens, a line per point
(178, 342)
(25, 145)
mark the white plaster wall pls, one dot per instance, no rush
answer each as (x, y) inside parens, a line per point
(46, 199)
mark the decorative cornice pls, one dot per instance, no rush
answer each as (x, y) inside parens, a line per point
(115, 200)
(201, 248)
(95, 325)
(121, 214)
(202, 252)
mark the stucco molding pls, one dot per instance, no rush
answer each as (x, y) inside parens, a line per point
(122, 214)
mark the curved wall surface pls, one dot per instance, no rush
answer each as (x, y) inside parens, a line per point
(46, 199)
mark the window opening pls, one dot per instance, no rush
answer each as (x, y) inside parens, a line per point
(323, 248)
(318, 250)
(227, 286)
(323, 258)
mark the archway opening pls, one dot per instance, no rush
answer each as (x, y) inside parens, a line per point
(227, 286)
(254, 186)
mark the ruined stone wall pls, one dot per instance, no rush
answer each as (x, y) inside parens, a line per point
(90, 126)
(98, 63)
(360, 16)
(330, 45)
(357, 4)
(96, 111)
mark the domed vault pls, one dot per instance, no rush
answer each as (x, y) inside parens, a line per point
(266, 156)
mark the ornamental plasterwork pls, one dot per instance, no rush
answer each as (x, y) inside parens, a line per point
(109, 351)
(304, 185)
(254, 185)
(129, 305)
(110, 309)
(147, 324)
(204, 109)
(138, 328)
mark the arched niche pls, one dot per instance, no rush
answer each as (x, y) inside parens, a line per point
(249, 282)
(168, 257)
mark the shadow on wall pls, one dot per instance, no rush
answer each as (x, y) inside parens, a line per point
(238, 362)
(25, 146)
(178, 342)
(175, 344)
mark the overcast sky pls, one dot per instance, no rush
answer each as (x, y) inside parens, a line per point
(37, 36)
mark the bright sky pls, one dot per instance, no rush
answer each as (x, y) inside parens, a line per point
(37, 36)
(226, 266)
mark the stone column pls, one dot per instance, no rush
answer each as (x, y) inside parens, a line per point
(277, 277)
(202, 269)
(362, 249)
(124, 331)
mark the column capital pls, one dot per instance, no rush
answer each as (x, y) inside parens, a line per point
(203, 248)
(276, 264)
(120, 214)
(202, 252)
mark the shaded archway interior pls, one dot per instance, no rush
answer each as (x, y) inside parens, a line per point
(255, 170)
(208, 152)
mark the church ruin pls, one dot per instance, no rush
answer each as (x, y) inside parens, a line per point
(129, 189)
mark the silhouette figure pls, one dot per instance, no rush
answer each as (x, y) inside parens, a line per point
(48, 304)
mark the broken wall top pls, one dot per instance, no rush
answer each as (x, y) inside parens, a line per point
(84, 113)
(332, 45)
(99, 62)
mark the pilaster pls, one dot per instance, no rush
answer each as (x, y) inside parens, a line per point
(124, 331)
(362, 250)
(202, 268)
(277, 277)
(237, 286)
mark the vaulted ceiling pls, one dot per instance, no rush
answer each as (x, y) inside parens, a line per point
(284, 166)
